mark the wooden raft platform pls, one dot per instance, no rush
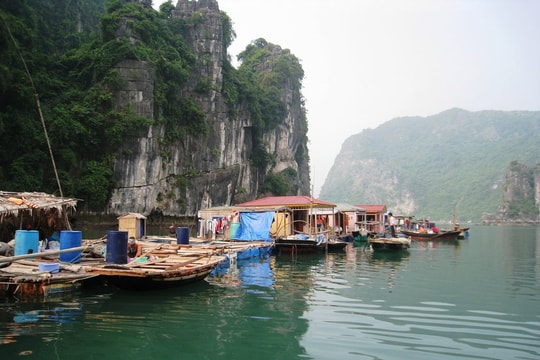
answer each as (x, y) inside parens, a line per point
(160, 265)
(151, 271)
(23, 279)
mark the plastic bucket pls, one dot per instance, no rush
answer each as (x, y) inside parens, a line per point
(182, 235)
(235, 226)
(26, 242)
(70, 239)
(117, 242)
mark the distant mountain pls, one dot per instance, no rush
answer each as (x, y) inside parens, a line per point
(432, 166)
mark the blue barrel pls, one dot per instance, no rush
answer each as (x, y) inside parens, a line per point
(26, 242)
(182, 235)
(235, 226)
(117, 242)
(70, 239)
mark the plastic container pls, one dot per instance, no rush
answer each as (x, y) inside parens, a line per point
(117, 242)
(182, 235)
(26, 242)
(235, 226)
(53, 268)
(70, 239)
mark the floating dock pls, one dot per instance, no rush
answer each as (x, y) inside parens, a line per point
(160, 263)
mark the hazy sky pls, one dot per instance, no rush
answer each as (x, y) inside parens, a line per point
(369, 61)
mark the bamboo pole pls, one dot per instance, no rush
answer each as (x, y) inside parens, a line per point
(4, 259)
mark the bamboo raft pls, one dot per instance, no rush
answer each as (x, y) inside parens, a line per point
(160, 265)
(21, 277)
(166, 265)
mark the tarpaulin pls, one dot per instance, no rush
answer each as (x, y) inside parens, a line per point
(255, 226)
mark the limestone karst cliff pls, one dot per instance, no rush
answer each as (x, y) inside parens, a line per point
(454, 162)
(216, 167)
(521, 195)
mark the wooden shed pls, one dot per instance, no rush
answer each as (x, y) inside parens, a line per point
(134, 224)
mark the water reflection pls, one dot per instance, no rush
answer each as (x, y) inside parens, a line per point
(478, 300)
(436, 243)
(29, 327)
(388, 257)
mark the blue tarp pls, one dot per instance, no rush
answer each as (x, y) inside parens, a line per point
(255, 226)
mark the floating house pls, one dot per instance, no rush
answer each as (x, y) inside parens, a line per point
(263, 219)
(239, 223)
(298, 214)
(375, 214)
(350, 218)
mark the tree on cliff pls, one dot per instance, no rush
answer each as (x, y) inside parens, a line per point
(73, 49)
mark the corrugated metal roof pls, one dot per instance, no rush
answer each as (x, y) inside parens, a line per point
(11, 203)
(349, 208)
(289, 201)
(227, 210)
(373, 207)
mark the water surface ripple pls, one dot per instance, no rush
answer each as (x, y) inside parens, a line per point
(474, 299)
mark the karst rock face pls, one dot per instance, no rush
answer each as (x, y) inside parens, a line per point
(201, 170)
(521, 194)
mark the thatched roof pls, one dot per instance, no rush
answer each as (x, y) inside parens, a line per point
(12, 203)
(44, 212)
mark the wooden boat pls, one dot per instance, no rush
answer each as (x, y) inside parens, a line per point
(389, 243)
(447, 235)
(360, 238)
(150, 273)
(307, 243)
(463, 232)
(441, 235)
(333, 244)
(298, 243)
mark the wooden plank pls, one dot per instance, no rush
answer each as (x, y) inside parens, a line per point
(180, 264)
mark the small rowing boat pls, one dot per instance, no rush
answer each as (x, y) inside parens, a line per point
(389, 243)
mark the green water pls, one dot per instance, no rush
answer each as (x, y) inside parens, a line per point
(479, 299)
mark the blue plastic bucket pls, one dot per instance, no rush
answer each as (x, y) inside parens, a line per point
(235, 226)
(26, 242)
(182, 235)
(117, 242)
(70, 239)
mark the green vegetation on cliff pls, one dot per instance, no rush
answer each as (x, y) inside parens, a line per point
(433, 165)
(71, 48)
(519, 200)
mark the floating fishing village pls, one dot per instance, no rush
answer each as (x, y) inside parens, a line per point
(45, 257)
